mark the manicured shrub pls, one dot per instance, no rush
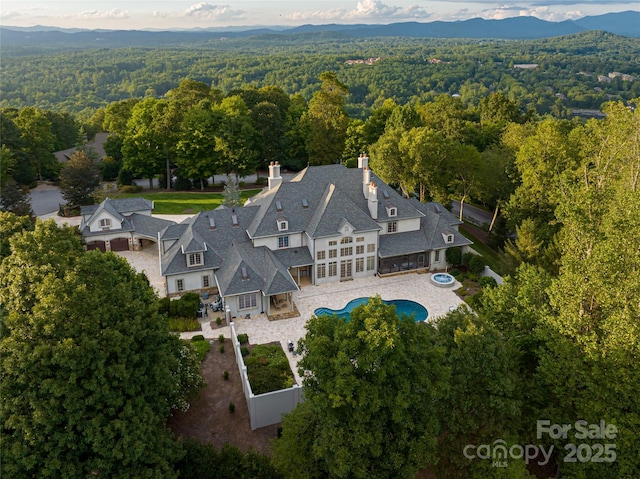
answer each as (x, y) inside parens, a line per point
(182, 184)
(218, 320)
(476, 264)
(182, 325)
(125, 178)
(129, 189)
(268, 369)
(186, 307)
(487, 282)
(467, 257)
(225, 375)
(201, 347)
(454, 256)
(455, 273)
(198, 337)
(164, 305)
(221, 349)
(221, 338)
(243, 338)
(244, 351)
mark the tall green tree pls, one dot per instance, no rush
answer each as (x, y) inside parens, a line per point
(482, 403)
(38, 142)
(90, 371)
(591, 365)
(236, 139)
(13, 197)
(387, 160)
(295, 138)
(11, 224)
(143, 148)
(328, 121)
(197, 156)
(369, 395)
(79, 179)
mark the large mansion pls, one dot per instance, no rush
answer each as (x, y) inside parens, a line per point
(327, 224)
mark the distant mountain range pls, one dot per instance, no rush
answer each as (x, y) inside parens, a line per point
(624, 23)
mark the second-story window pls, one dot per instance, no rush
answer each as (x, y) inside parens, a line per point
(392, 226)
(195, 259)
(283, 241)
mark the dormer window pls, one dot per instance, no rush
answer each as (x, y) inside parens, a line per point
(194, 259)
(105, 223)
(392, 211)
(283, 225)
(447, 236)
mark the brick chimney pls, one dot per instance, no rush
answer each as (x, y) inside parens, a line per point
(366, 179)
(274, 174)
(372, 200)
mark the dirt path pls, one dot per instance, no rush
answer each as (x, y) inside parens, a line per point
(208, 419)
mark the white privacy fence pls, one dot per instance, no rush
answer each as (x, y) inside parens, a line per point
(264, 409)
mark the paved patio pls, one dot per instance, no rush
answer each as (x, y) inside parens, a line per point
(414, 286)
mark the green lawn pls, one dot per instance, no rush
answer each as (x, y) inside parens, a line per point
(496, 261)
(171, 203)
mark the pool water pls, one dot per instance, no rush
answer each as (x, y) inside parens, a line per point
(403, 307)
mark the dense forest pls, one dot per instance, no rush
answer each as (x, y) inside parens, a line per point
(572, 71)
(558, 342)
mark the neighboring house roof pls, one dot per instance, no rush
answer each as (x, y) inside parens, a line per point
(96, 146)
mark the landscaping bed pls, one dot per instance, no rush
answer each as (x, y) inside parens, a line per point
(209, 419)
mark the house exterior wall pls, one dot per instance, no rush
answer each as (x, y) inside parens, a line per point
(94, 227)
(323, 267)
(191, 281)
(441, 262)
(233, 303)
(404, 225)
(272, 242)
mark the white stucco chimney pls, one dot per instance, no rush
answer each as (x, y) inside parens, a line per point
(274, 174)
(363, 161)
(372, 200)
(366, 179)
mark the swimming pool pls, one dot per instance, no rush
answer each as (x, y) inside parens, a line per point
(403, 306)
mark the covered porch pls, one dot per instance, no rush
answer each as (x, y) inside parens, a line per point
(402, 263)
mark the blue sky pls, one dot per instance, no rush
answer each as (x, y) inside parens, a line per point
(174, 14)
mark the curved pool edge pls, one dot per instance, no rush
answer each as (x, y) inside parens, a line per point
(418, 310)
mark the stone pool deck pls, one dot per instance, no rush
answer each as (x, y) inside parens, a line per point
(416, 287)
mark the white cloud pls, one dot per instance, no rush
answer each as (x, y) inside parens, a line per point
(206, 11)
(365, 10)
(115, 14)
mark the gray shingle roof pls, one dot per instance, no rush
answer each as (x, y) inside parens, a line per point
(197, 230)
(122, 206)
(318, 185)
(264, 272)
(148, 226)
(438, 221)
